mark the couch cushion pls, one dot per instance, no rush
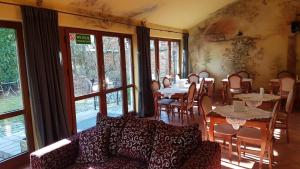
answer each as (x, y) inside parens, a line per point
(112, 163)
(137, 139)
(173, 145)
(115, 125)
(93, 146)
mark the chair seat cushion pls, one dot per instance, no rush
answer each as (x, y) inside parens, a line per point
(247, 132)
(112, 163)
(93, 146)
(165, 101)
(172, 145)
(137, 139)
(225, 129)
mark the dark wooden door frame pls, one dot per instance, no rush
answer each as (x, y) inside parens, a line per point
(66, 52)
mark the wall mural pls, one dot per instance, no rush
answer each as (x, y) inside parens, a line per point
(100, 9)
(245, 35)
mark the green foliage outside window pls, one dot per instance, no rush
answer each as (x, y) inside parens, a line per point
(8, 56)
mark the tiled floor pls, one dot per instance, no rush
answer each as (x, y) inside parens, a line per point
(287, 156)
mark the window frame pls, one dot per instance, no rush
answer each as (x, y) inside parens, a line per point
(21, 158)
(66, 53)
(156, 49)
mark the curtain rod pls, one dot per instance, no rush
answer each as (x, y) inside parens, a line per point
(94, 17)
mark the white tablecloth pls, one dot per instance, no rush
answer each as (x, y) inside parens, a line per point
(256, 97)
(208, 79)
(237, 119)
(243, 80)
(170, 91)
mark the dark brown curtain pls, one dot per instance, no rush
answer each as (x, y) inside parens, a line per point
(45, 74)
(185, 56)
(146, 107)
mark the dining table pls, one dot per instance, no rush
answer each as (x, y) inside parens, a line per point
(256, 99)
(250, 117)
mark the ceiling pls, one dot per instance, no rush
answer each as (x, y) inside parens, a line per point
(181, 14)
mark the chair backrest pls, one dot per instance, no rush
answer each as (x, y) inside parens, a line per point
(205, 106)
(203, 74)
(201, 88)
(290, 102)
(243, 74)
(285, 73)
(191, 93)
(166, 82)
(273, 121)
(287, 84)
(235, 81)
(193, 78)
(155, 85)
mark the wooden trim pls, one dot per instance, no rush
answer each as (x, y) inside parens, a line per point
(165, 39)
(86, 96)
(170, 57)
(101, 74)
(123, 74)
(16, 161)
(25, 96)
(169, 41)
(11, 114)
(68, 88)
(101, 70)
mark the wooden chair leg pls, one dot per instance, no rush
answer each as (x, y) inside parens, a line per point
(270, 154)
(238, 144)
(230, 149)
(245, 147)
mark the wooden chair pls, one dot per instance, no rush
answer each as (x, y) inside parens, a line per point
(204, 74)
(285, 73)
(282, 119)
(286, 84)
(253, 136)
(193, 78)
(243, 74)
(166, 82)
(200, 91)
(185, 106)
(234, 86)
(225, 132)
(159, 101)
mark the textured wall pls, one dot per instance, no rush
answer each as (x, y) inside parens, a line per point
(250, 35)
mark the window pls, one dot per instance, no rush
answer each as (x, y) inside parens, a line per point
(15, 137)
(102, 75)
(164, 57)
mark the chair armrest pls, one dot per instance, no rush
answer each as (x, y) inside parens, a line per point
(206, 156)
(57, 155)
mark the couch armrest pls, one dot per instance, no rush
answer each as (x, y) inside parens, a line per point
(57, 155)
(206, 156)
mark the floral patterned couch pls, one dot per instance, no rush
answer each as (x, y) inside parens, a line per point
(130, 143)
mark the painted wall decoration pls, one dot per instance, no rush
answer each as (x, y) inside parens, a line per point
(100, 10)
(245, 35)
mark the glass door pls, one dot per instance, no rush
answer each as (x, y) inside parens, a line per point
(86, 82)
(113, 75)
(102, 76)
(15, 122)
